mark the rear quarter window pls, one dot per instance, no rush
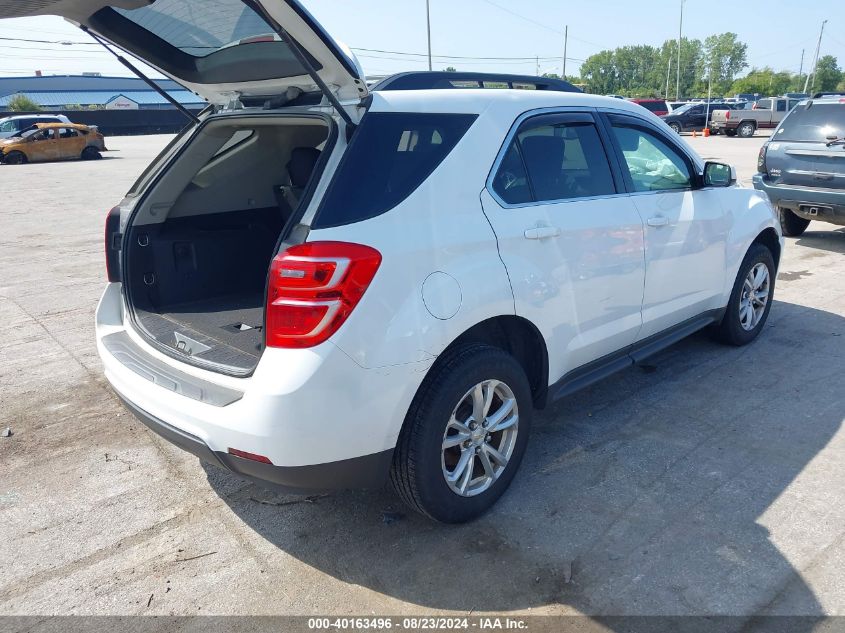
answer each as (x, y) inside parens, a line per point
(391, 154)
(816, 123)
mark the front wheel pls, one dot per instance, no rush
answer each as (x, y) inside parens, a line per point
(751, 298)
(464, 435)
(91, 153)
(791, 224)
(676, 127)
(15, 158)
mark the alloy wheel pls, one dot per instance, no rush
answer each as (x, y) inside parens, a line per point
(480, 437)
(754, 297)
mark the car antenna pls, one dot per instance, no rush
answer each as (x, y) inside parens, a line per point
(142, 76)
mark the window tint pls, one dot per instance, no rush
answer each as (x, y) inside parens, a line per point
(781, 107)
(655, 106)
(199, 28)
(815, 123)
(511, 181)
(652, 163)
(391, 154)
(565, 160)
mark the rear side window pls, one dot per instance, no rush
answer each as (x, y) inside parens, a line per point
(391, 154)
(554, 157)
(816, 123)
(655, 106)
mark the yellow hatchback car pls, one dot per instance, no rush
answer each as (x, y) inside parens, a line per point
(52, 141)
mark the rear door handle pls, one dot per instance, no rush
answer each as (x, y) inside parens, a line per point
(539, 232)
(658, 220)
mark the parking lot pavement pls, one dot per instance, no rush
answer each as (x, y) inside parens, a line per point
(709, 481)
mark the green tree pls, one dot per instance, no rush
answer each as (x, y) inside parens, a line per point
(725, 56)
(22, 103)
(451, 69)
(828, 74)
(764, 81)
(599, 73)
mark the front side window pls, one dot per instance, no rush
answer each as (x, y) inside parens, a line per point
(67, 132)
(391, 154)
(653, 164)
(554, 160)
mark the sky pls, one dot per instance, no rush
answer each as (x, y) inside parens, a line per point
(464, 32)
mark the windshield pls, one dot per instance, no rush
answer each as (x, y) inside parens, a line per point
(818, 123)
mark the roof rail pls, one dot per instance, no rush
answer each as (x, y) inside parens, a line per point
(444, 80)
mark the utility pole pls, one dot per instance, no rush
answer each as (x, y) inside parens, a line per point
(680, 31)
(668, 72)
(537, 60)
(801, 67)
(565, 43)
(428, 30)
(815, 59)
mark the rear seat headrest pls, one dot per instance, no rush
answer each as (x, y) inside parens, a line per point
(301, 165)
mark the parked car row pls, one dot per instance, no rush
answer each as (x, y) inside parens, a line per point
(40, 138)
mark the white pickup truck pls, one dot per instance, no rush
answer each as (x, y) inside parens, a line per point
(766, 113)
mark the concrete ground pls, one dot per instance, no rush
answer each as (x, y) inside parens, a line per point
(707, 482)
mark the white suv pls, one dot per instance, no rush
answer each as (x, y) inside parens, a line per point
(322, 285)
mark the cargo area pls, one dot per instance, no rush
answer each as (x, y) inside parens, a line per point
(200, 243)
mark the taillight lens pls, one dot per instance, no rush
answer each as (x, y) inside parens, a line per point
(313, 289)
(761, 161)
(113, 244)
(727, 114)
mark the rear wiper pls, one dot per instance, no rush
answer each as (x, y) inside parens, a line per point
(835, 141)
(143, 77)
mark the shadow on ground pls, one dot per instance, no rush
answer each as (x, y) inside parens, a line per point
(833, 241)
(641, 495)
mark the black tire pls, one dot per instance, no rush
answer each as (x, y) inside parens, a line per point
(730, 330)
(91, 153)
(730, 133)
(791, 224)
(417, 471)
(746, 129)
(15, 158)
(676, 127)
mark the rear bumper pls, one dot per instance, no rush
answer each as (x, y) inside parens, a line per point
(369, 471)
(322, 420)
(827, 205)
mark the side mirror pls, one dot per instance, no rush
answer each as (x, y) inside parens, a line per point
(719, 175)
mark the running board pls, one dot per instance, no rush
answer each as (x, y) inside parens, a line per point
(606, 366)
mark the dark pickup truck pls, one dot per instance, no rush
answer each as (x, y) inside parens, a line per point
(802, 165)
(694, 116)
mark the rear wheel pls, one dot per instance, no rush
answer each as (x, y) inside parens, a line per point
(15, 158)
(751, 298)
(465, 435)
(791, 224)
(745, 129)
(91, 153)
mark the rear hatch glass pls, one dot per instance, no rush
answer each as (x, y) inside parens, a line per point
(804, 150)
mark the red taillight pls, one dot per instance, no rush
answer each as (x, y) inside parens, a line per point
(113, 244)
(313, 289)
(727, 114)
(253, 456)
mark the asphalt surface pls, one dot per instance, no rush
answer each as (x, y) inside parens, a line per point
(708, 482)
